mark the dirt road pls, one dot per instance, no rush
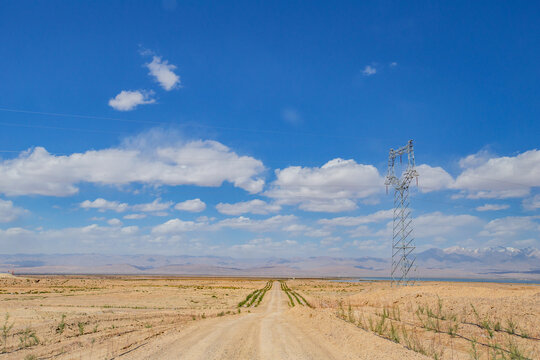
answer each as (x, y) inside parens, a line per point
(272, 331)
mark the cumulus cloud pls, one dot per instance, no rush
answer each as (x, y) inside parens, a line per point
(195, 205)
(437, 224)
(134, 216)
(264, 245)
(369, 70)
(163, 73)
(154, 206)
(114, 222)
(103, 205)
(499, 177)
(128, 100)
(318, 233)
(244, 223)
(255, 206)
(90, 238)
(509, 227)
(433, 178)
(532, 203)
(201, 163)
(358, 220)
(492, 207)
(174, 226)
(333, 187)
(434, 226)
(9, 212)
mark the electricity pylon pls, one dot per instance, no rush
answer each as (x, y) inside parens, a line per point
(403, 256)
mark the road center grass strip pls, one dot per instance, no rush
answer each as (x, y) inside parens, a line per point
(254, 298)
(292, 295)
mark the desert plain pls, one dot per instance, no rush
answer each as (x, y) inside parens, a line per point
(135, 317)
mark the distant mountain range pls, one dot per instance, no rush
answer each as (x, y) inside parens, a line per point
(454, 262)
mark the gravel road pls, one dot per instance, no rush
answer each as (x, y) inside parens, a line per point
(272, 331)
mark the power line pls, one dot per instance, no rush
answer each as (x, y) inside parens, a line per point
(59, 128)
(276, 132)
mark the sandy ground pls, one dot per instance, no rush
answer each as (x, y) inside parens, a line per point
(273, 331)
(63, 317)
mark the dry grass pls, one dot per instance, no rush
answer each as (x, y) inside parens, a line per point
(102, 317)
(440, 320)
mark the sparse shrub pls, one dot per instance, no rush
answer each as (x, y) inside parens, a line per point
(221, 313)
(474, 351)
(95, 328)
(30, 357)
(515, 352)
(6, 328)
(61, 326)
(393, 333)
(80, 325)
(511, 326)
(28, 338)
(380, 327)
(350, 315)
(452, 329)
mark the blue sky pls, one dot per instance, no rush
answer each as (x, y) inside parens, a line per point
(263, 129)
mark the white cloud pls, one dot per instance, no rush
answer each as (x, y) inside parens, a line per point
(358, 220)
(255, 206)
(475, 160)
(244, 223)
(9, 212)
(295, 228)
(499, 177)
(330, 188)
(532, 203)
(128, 100)
(154, 206)
(492, 207)
(369, 245)
(369, 70)
(264, 246)
(393, 64)
(434, 225)
(509, 227)
(174, 226)
(102, 205)
(134, 216)
(162, 71)
(331, 205)
(437, 224)
(433, 178)
(330, 240)
(201, 163)
(114, 222)
(195, 205)
(91, 238)
(318, 233)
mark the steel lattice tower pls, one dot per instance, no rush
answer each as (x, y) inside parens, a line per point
(403, 256)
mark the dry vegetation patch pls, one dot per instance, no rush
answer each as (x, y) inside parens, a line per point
(441, 320)
(103, 317)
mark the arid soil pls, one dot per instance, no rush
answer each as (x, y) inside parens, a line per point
(200, 318)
